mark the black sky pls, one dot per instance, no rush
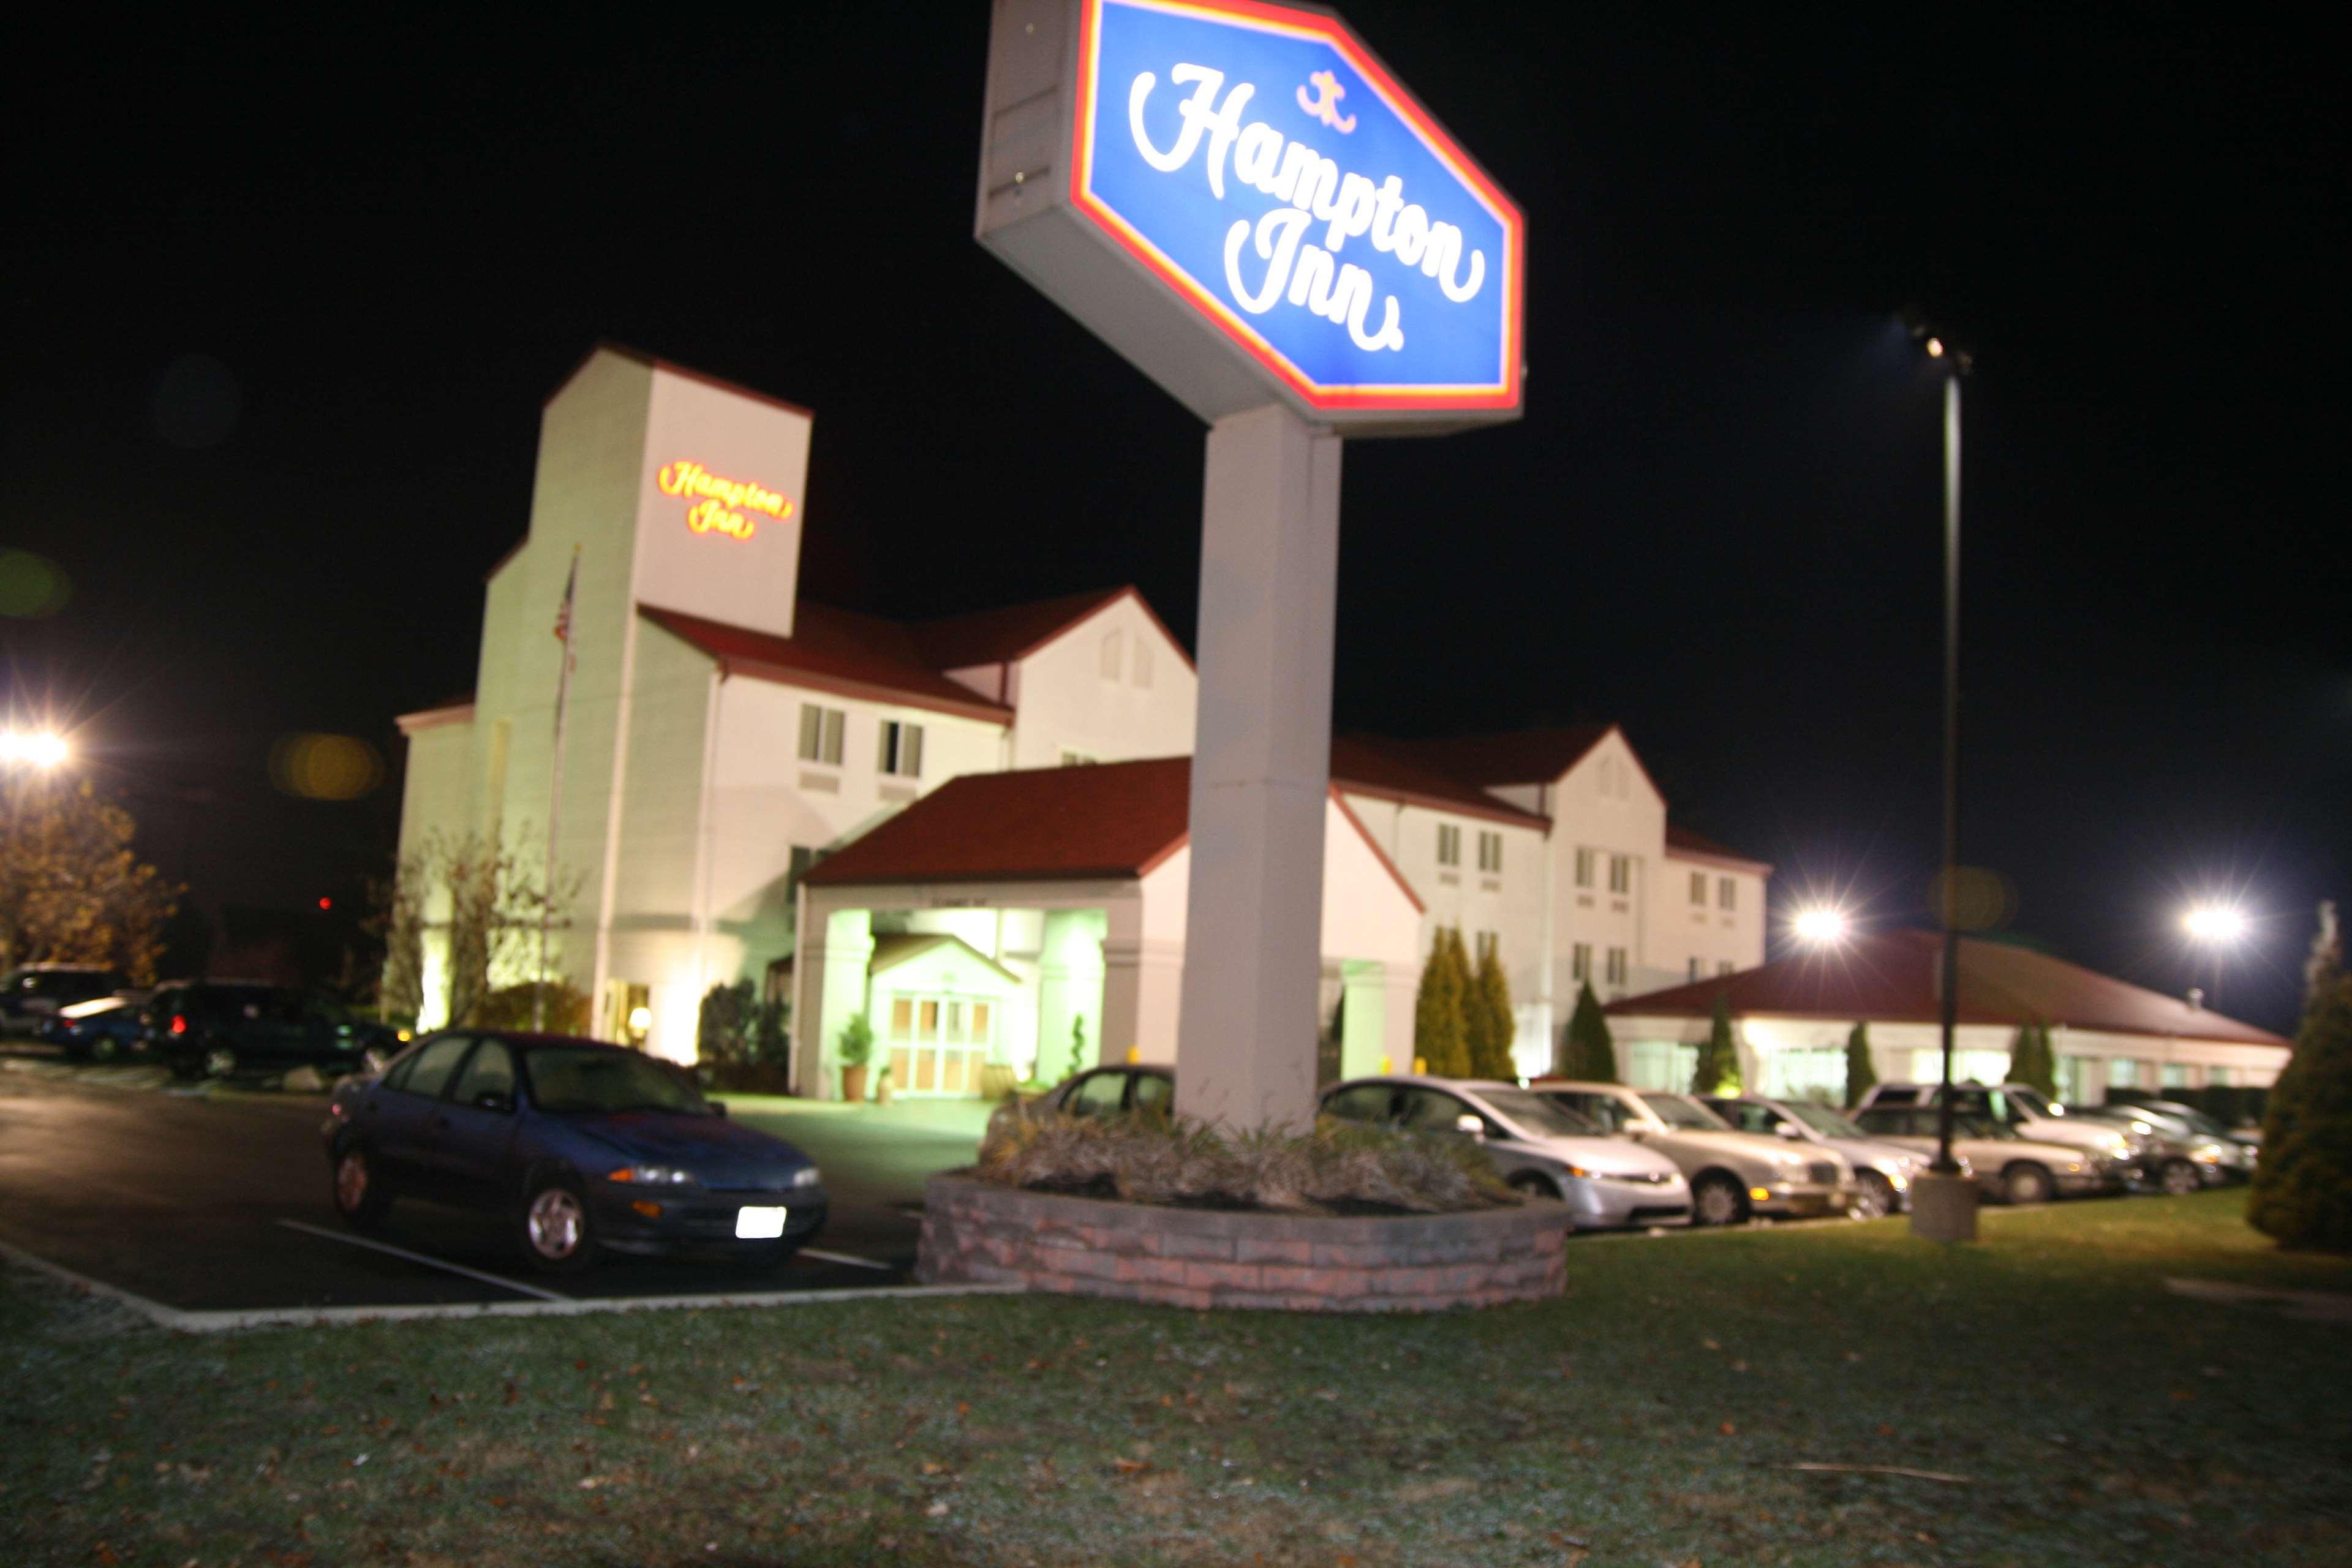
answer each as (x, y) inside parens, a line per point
(1717, 523)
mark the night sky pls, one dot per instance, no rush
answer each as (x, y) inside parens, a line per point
(283, 304)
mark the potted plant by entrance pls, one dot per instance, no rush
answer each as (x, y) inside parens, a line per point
(857, 1048)
(882, 1085)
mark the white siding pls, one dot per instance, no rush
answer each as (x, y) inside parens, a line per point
(1066, 703)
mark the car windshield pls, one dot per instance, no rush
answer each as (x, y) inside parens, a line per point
(1680, 1110)
(1822, 1120)
(569, 1080)
(2212, 1126)
(1535, 1113)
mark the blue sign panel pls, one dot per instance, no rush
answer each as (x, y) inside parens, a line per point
(1263, 164)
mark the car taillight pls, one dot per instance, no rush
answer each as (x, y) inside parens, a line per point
(179, 1023)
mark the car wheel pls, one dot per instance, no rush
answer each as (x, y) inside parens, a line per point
(220, 1062)
(104, 1048)
(2025, 1185)
(1876, 1199)
(1536, 1185)
(187, 1067)
(555, 1232)
(360, 1195)
(2179, 1178)
(1718, 1200)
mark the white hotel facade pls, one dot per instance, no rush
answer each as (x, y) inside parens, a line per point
(754, 787)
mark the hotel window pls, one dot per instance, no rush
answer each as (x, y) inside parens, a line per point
(1110, 656)
(1584, 867)
(1726, 967)
(1726, 892)
(1071, 759)
(1580, 962)
(821, 730)
(1616, 966)
(1620, 873)
(1695, 967)
(2122, 1073)
(1699, 886)
(1142, 664)
(1449, 844)
(2173, 1075)
(1490, 852)
(901, 751)
(1489, 944)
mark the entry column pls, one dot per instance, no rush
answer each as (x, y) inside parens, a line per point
(1261, 771)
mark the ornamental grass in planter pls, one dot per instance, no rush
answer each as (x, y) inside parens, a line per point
(1338, 1167)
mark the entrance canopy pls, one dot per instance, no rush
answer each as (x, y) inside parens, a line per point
(1074, 882)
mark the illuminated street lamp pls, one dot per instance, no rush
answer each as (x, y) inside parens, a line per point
(1823, 926)
(42, 749)
(2218, 926)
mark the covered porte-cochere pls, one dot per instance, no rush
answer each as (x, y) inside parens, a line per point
(1019, 926)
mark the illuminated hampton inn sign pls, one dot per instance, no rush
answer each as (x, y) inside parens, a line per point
(719, 505)
(1268, 183)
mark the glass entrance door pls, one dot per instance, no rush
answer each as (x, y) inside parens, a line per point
(937, 1044)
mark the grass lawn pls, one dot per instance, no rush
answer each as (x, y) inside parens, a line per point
(1639, 1420)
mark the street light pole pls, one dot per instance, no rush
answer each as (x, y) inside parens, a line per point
(1943, 1201)
(1945, 1163)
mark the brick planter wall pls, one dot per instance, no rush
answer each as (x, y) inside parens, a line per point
(973, 1230)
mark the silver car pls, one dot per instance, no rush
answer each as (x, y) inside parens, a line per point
(1536, 1145)
(1733, 1175)
(2008, 1167)
(1883, 1172)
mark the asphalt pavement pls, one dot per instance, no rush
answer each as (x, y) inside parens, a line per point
(219, 1201)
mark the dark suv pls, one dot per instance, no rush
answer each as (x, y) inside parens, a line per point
(31, 994)
(220, 1027)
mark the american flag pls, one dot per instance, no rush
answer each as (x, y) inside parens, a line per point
(563, 612)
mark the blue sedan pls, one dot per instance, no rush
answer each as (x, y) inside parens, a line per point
(581, 1147)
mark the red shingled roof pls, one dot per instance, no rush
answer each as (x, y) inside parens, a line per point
(1111, 821)
(1118, 820)
(833, 650)
(1891, 976)
(1682, 842)
(1383, 770)
(1011, 632)
(1520, 757)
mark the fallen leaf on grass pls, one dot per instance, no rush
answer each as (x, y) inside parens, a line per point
(1728, 1429)
(937, 1509)
(1130, 1466)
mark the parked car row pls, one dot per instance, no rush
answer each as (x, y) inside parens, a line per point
(198, 1028)
(1622, 1157)
(583, 1148)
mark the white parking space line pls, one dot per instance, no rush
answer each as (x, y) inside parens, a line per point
(426, 1259)
(845, 1257)
(153, 1311)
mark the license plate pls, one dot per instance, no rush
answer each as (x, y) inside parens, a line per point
(759, 1225)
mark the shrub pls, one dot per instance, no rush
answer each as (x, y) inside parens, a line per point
(1491, 1025)
(856, 1041)
(2302, 1191)
(1859, 1073)
(1718, 1057)
(740, 1041)
(1592, 1055)
(1339, 1166)
(1440, 1031)
(564, 1012)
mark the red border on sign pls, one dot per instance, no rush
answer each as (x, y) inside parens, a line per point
(1502, 394)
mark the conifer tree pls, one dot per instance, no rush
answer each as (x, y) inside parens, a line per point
(1438, 1029)
(2031, 1061)
(1719, 1058)
(2302, 1193)
(1492, 1025)
(1591, 1054)
(1860, 1075)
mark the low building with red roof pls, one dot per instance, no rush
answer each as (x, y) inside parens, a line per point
(1791, 1019)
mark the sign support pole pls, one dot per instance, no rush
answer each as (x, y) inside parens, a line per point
(1261, 771)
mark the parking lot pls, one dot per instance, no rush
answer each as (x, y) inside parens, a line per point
(216, 1200)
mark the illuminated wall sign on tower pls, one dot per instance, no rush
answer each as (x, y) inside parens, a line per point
(1268, 187)
(1240, 198)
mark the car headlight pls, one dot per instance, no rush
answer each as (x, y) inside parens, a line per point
(806, 1176)
(653, 1177)
(1900, 1181)
(2075, 1168)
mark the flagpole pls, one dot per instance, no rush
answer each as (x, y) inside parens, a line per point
(555, 795)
